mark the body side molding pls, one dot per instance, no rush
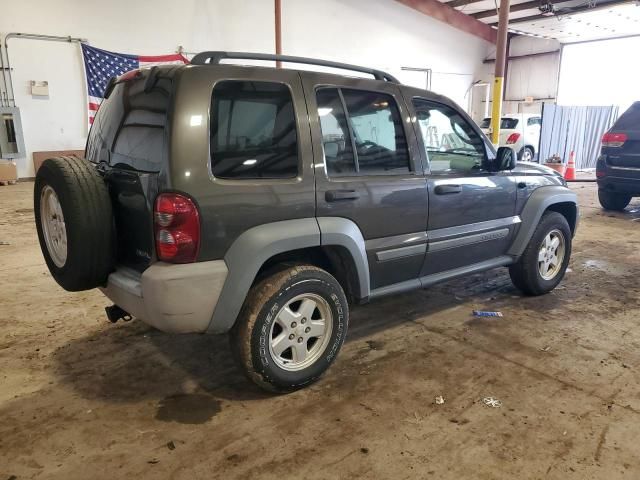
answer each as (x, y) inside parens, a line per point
(429, 280)
(441, 234)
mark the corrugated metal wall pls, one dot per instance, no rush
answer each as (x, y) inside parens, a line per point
(578, 129)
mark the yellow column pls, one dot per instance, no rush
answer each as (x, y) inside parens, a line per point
(496, 110)
(501, 59)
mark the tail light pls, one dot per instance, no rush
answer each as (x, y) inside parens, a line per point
(513, 138)
(613, 139)
(177, 228)
(601, 174)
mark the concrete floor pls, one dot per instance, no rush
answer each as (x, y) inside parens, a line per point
(81, 398)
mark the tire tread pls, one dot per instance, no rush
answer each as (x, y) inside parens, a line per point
(524, 273)
(242, 332)
(89, 219)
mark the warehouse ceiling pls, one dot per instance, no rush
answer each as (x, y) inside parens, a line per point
(565, 20)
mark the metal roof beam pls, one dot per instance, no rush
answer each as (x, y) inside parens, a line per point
(461, 3)
(514, 8)
(586, 8)
(445, 13)
(519, 7)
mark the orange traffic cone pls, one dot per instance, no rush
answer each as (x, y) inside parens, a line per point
(570, 173)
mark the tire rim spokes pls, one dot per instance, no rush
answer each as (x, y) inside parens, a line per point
(53, 227)
(551, 255)
(300, 332)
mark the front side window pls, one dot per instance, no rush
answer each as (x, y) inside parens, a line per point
(451, 143)
(361, 132)
(253, 131)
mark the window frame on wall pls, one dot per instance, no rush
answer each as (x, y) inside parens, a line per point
(294, 178)
(486, 157)
(397, 122)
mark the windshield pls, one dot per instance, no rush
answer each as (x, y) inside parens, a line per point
(506, 123)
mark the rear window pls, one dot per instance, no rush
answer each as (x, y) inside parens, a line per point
(506, 123)
(253, 131)
(629, 120)
(129, 128)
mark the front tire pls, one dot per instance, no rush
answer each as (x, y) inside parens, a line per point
(613, 201)
(544, 262)
(291, 328)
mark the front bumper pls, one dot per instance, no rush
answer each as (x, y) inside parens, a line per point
(173, 298)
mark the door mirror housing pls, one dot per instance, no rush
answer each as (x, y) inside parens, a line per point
(505, 159)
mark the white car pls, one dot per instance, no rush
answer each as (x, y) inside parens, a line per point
(520, 131)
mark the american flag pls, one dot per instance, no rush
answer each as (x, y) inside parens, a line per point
(101, 65)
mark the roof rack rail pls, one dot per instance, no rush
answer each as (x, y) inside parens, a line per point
(214, 58)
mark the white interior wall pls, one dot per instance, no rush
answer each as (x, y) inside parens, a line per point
(139, 27)
(535, 77)
(383, 34)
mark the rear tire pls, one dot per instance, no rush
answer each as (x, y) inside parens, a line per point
(74, 222)
(535, 273)
(612, 200)
(291, 328)
(526, 155)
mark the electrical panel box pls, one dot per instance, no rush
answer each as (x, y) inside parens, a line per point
(11, 138)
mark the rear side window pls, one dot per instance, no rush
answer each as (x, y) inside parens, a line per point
(534, 121)
(630, 119)
(253, 131)
(362, 133)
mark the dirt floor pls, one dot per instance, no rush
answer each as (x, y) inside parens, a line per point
(82, 398)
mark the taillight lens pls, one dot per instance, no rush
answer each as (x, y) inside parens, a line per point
(513, 138)
(613, 139)
(177, 228)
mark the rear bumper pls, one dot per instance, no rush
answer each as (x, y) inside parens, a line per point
(618, 181)
(172, 298)
(618, 178)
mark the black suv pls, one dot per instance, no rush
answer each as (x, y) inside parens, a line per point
(263, 201)
(618, 167)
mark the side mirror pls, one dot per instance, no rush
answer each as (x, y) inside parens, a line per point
(506, 159)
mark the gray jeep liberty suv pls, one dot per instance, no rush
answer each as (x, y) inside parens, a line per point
(262, 201)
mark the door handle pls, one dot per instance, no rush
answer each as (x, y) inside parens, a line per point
(337, 195)
(448, 189)
(522, 185)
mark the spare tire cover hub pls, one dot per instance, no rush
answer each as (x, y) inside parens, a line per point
(53, 227)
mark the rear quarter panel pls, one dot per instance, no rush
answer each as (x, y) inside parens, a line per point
(230, 207)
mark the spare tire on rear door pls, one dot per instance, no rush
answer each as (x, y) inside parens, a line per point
(74, 222)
